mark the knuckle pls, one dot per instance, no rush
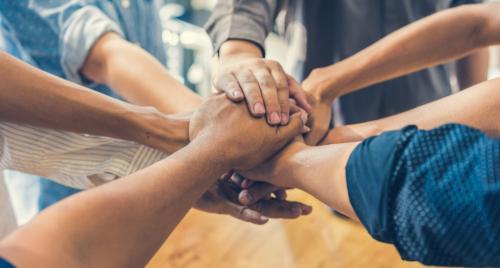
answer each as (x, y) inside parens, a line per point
(266, 82)
(282, 84)
(273, 64)
(246, 78)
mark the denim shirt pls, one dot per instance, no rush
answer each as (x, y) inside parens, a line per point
(58, 34)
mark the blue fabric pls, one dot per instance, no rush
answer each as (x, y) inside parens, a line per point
(433, 194)
(5, 264)
(52, 193)
(9, 43)
(58, 35)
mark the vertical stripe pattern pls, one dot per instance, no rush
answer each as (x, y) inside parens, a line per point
(76, 160)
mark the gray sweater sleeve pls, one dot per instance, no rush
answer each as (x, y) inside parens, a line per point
(249, 20)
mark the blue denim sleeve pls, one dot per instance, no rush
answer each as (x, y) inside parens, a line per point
(76, 24)
(433, 194)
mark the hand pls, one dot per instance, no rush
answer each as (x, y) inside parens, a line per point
(321, 114)
(237, 138)
(263, 83)
(279, 170)
(222, 198)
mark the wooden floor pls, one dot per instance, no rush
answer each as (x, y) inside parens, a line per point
(318, 240)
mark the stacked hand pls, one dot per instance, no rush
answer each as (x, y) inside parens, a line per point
(238, 139)
(263, 84)
(244, 142)
(266, 88)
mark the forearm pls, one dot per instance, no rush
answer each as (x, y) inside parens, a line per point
(146, 206)
(473, 69)
(318, 170)
(32, 97)
(137, 76)
(477, 107)
(440, 38)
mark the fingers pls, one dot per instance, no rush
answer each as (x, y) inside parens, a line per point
(280, 194)
(258, 191)
(269, 94)
(281, 82)
(293, 129)
(298, 94)
(246, 214)
(228, 84)
(303, 115)
(252, 93)
(274, 208)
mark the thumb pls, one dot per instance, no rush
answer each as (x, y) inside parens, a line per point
(293, 129)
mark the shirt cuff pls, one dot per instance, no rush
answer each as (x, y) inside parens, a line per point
(236, 27)
(80, 32)
(369, 173)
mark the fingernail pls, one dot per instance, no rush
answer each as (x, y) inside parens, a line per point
(275, 118)
(258, 109)
(264, 218)
(284, 118)
(237, 94)
(303, 116)
(306, 210)
(246, 198)
(297, 211)
(306, 129)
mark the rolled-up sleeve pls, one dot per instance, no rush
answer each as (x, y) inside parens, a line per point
(78, 35)
(249, 20)
(433, 194)
(78, 25)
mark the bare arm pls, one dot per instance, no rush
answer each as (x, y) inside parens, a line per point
(32, 97)
(137, 76)
(442, 37)
(478, 107)
(123, 223)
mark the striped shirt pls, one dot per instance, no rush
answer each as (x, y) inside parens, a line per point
(76, 160)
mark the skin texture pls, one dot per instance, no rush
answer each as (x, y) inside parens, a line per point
(150, 202)
(456, 32)
(484, 97)
(137, 76)
(30, 96)
(242, 73)
(310, 168)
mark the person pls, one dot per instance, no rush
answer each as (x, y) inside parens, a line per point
(418, 186)
(152, 201)
(415, 187)
(96, 43)
(42, 114)
(101, 45)
(319, 34)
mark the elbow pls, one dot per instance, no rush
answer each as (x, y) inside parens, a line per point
(485, 24)
(99, 59)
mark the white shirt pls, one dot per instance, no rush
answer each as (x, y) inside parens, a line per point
(76, 160)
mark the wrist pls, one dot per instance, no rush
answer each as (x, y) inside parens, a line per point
(239, 48)
(332, 81)
(294, 166)
(162, 132)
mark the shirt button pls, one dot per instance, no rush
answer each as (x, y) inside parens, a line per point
(125, 3)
